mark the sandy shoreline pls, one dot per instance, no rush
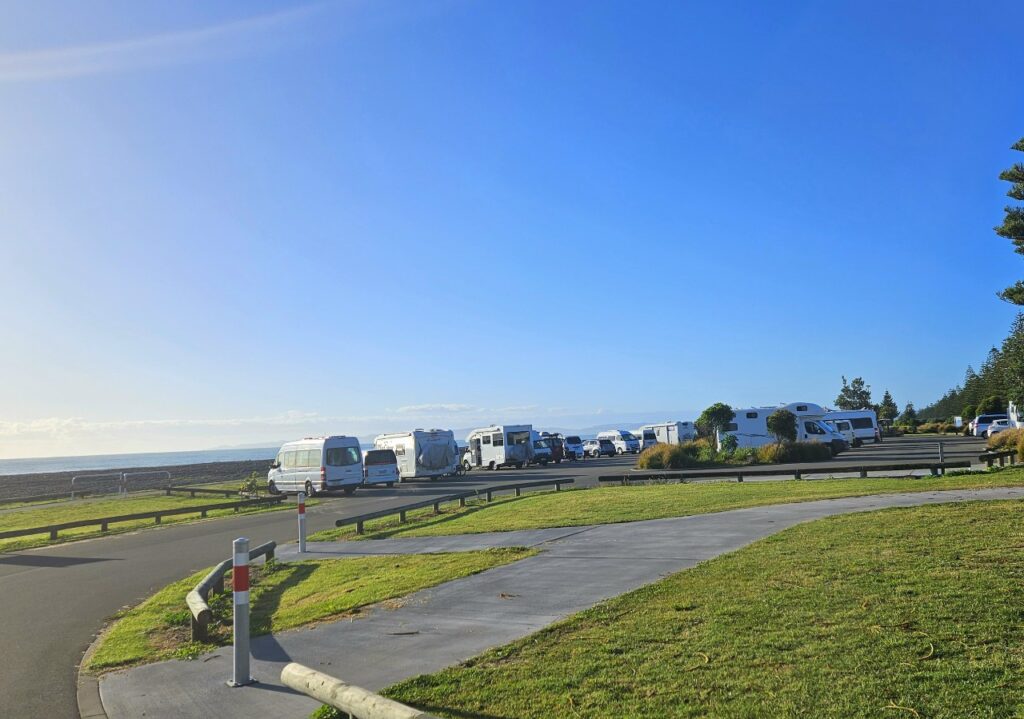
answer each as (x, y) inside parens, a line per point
(14, 486)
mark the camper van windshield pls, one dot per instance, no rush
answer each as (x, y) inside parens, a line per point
(573, 440)
(518, 437)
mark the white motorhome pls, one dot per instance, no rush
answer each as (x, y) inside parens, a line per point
(422, 453)
(624, 441)
(508, 445)
(750, 426)
(863, 421)
(317, 464)
(672, 432)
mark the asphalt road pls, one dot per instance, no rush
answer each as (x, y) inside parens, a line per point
(55, 599)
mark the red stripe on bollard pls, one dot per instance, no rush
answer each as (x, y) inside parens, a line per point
(240, 578)
(302, 507)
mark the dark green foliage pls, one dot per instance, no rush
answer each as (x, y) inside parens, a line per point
(888, 409)
(992, 405)
(855, 395)
(714, 419)
(909, 416)
(782, 425)
(969, 412)
(1013, 223)
(787, 452)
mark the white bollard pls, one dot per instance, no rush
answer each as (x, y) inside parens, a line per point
(240, 590)
(302, 522)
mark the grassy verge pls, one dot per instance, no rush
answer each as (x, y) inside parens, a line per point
(284, 596)
(626, 504)
(70, 511)
(898, 613)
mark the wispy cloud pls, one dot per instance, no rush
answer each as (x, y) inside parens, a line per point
(224, 40)
(438, 409)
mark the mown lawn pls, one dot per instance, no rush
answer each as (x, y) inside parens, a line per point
(897, 613)
(283, 596)
(654, 501)
(73, 510)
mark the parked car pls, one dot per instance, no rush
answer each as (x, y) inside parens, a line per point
(599, 448)
(573, 447)
(622, 440)
(980, 424)
(997, 426)
(380, 466)
(317, 464)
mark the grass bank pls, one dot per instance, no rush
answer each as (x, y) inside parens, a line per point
(654, 501)
(283, 596)
(96, 508)
(898, 613)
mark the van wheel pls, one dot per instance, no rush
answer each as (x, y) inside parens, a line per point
(467, 466)
(349, 491)
(390, 485)
(490, 466)
(309, 489)
(620, 451)
(272, 488)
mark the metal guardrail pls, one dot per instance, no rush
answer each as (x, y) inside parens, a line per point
(990, 458)
(193, 491)
(461, 497)
(158, 515)
(739, 472)
(355, 701)
(106, 476)
(198, 599)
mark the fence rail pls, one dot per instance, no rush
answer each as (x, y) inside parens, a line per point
(460, 497)
(990, 458)
(193, 491)
(198, 599)
(104, 522)
(355, 701)
(738, 473)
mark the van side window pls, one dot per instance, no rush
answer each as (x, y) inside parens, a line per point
(731, 427)
(499, 440)
(801, 408)
(862, 423)
(751, 415)
(487, 439)
(290, 459)
(342, 456)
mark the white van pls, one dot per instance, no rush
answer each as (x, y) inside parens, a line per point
(507, 445)
(844, 428)
(672, 432)
(422, 453)
(646, 436)
(380, 466)
(317, 464)
(863, 421)
(624, 441)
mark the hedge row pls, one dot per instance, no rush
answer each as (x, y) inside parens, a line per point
(701, 453)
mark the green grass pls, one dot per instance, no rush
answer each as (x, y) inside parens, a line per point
(897, 613)
(654, 501)
(284, 596)
(70, 511)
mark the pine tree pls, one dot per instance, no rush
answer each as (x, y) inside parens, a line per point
(888, 409)
(1013, 224)
(855, 395)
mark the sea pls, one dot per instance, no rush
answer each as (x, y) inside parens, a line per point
(124, 461)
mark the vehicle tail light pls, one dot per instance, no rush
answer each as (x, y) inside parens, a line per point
(323, 477)
(366, 472)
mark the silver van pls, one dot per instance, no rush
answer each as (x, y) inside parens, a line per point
(317, 464)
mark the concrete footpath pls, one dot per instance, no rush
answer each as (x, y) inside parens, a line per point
(435, 628)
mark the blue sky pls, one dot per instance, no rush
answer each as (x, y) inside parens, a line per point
(237, 222)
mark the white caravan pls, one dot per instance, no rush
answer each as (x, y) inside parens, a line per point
(864, 422)
(317, 464)
(508, 445)
(624, 441)
(672, 432)
(750, 426)
(422, 453)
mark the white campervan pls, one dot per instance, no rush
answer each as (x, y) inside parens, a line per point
(672, 432)
(317, 464)
(863, 421)
(507, 445)
(750, 426)
(422, 453)
(624, 441)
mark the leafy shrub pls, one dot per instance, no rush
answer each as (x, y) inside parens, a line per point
(782, 425)
(782, 453)
(1007, 439)
(668, 456)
